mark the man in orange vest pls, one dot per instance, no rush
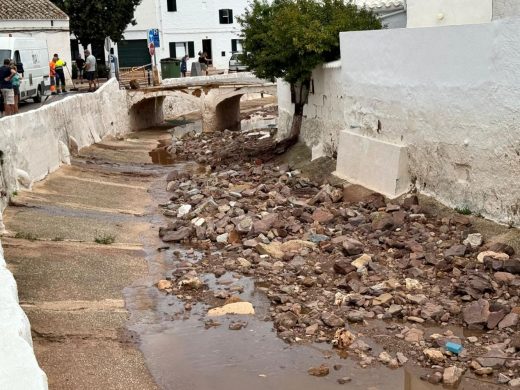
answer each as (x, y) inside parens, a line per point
(52, 74)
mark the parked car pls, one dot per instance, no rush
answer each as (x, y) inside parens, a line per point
(31, 57)
(235, 65)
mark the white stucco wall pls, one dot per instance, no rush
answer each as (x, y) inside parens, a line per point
(505, 8)
(426, 13)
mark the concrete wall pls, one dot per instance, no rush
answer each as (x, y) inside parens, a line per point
(448, 94)
(426, 13)
(323, 115)
(505, 9)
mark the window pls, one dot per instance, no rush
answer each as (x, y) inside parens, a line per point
(225, 16)
(180, 49)
(171, 5)
(236, 45)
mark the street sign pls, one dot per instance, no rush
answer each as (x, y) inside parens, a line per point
(151, 48)
(153, 37)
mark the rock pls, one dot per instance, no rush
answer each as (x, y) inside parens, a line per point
(401, 358)
(322, 216)
(320, 371)
(344, 380)
(472, 339)
(494, 318)
(245, 225)
(317, 238)
(352, 247)
(435, 378)
(241, 308)
(493, 255)
(343, 267)
(332, 320)
(415, 319)
(191, 282)
(414, 335)
(413, 284)
(476, 313)
(178, 235)
(223, 238)
(494, 358)
(382, 221)
(514, 382)
(164, 284)
(286, 320)
(265, 224)
(274, 250)
(409, 201)
(452, 375)
(237, 325)
(503, 379)
(360, 345)
(501, 247)
(384, 357)
(509, 321)
(431, 311)
(456, 250)
(484, 371)
(504, 277)
(311, 329)
(343, 339)
(362, 262)
(183, 210)
(434, 355)
(512, 266)
(418, 299)
(243, 263)
(474, 240)
(355, 316)
(382, 299)
(394, 309)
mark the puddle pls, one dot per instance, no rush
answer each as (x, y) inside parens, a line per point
(161, 154)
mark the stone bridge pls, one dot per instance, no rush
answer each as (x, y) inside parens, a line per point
(218, 98)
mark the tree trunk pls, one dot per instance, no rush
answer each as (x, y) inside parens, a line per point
(299, 96)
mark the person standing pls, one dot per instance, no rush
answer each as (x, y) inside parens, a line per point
(16, 81)
(52, 74)
(184, 65)
(60, 74)
(203, 60)
(80, 64)
(90, 71)
(6, 86)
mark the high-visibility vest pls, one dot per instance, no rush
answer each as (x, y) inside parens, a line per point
(52, 67)
(60, 64)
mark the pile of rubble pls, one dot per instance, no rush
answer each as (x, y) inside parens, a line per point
(332, 261)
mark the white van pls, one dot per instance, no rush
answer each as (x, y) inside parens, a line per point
(31, 57)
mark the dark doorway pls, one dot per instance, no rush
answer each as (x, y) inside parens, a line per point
(98, 51)
(206, 48)
(133, 52)
(74, 49)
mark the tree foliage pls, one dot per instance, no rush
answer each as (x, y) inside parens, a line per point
(287, 39)
(94, 20)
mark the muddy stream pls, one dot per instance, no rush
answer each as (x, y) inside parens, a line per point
(187, 350)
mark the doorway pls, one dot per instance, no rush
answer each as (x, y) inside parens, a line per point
(206, 48)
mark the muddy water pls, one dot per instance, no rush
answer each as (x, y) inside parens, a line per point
(185, 350)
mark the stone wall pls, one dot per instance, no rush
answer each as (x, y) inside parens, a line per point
(449, 95)
(32, 145)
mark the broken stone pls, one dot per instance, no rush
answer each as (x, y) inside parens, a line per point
(332, 320)
(509, 321)
(352, 247)
(178, 235)
(343, 267)
(474, 240)
(401, 358)
(434, 355)
(320, 371)
(382, 221)
(384, 357)
(183, 210)
(343, 339)
(413, 284)
(164, 284)
(504, 277)
(322, 216)
(240, 308)
(494, 255)
(494, 358)
(362, 262)
(456, 250)
(191, 282)
(452, 375)
(476, 313)
(344, 380)
(382, 299)
(223, 238)
(414, 335)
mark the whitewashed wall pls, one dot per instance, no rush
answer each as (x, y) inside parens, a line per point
(426, 13)
(505, 8)
(450, 95)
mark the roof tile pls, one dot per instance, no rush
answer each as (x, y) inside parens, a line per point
(30, 10)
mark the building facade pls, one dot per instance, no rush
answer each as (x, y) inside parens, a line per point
(185, 28)
(38, 19)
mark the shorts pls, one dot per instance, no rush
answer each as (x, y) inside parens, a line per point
(80, 72)
(90, 76)
(8, 95)
(204, 66)
(16, 90)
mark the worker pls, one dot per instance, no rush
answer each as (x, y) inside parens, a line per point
(52, 74)
(60, 74)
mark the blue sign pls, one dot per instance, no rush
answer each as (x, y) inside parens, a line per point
(153, 37)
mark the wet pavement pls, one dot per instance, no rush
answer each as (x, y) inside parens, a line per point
(90, 303)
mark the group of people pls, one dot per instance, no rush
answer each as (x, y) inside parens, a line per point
(86, 67)
(10, 81)
(204, 62)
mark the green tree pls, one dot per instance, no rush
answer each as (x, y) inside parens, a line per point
(94, 20)
(287, 39)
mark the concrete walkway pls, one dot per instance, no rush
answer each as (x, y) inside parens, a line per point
(72, 287)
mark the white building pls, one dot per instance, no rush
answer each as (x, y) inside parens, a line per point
(186, 27)
(38, 19)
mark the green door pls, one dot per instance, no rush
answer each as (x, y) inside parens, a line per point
(133, 52)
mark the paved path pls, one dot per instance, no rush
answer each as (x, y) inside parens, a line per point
(71, 287)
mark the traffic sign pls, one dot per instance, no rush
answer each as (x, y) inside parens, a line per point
(151, 48)
(153, 37)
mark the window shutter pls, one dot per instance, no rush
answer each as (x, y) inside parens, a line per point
(221, 16)
(191, 49)
(173, 53)
(233, 45)
(230, 16)
(171, 5)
